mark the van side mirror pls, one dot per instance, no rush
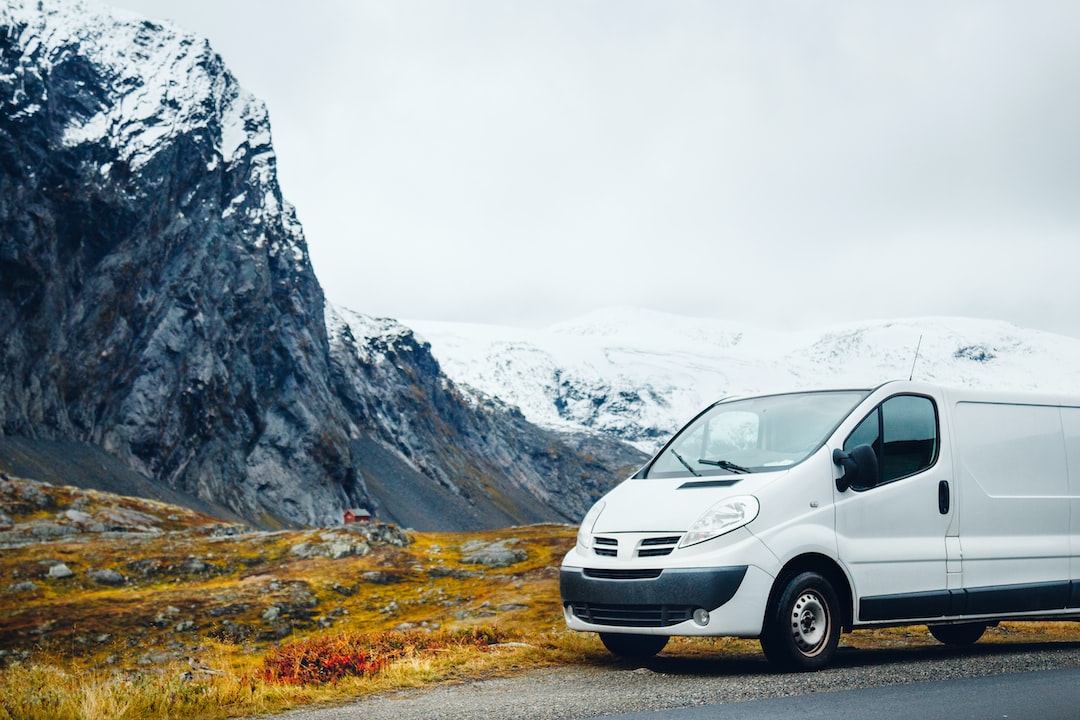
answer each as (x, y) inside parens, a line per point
(860, 468)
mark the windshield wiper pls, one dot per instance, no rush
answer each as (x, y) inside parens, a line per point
(725, 464)
(685, 464)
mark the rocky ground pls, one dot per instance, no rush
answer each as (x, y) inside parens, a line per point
(132, 582)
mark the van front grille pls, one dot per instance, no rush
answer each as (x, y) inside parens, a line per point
(632, 615)
(658, 546)
(610, 546)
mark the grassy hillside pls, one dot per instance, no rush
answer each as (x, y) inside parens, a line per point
(125, 602)
(129, 581)
(119, 607)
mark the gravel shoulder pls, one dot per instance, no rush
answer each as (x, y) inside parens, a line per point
(674, 682)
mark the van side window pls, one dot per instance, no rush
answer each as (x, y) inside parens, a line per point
(903, 431)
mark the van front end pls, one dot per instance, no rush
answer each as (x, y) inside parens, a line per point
(695, 543)
(704, 591)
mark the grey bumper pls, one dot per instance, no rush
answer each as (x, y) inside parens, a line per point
(707, 588)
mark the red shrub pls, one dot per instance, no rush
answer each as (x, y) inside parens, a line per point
(327, 659)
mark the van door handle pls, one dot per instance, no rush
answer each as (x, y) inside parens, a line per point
(943, 497)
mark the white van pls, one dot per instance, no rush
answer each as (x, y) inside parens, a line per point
(790, 517)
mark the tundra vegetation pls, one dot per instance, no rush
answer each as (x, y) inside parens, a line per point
(125, 608)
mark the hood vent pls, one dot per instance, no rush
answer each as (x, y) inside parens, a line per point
(707, 483)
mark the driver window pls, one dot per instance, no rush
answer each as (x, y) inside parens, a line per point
(903, 431)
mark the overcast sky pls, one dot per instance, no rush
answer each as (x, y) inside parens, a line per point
(782, 164)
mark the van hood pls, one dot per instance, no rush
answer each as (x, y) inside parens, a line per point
(671, 504)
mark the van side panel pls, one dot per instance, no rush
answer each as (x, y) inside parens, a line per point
(1070, 422)
(1013, 495)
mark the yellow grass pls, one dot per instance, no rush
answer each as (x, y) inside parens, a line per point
(76, 649)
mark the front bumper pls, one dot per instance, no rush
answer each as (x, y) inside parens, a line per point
(706, 588)
(664, 602)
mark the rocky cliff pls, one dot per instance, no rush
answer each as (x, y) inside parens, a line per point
(157, 301)
(490, 466)
(156, 297)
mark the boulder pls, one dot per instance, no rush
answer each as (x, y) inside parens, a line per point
(59, 571)
(495, 554)
(106, 577)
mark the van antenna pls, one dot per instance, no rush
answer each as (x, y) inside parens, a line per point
(915, 359)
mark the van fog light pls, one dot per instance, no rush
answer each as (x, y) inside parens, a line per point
(701, 617)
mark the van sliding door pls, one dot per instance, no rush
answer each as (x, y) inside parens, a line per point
(1070, 422)
(1014, 507)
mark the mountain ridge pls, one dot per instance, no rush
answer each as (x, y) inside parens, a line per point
(638, 375)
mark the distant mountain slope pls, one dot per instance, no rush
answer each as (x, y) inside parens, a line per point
(491, 467)
(638, 375)
(68, 462)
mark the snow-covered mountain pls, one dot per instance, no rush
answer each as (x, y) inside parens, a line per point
(638, 375)
(156, 296)
(158, 308)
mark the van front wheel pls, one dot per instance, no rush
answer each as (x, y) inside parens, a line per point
(962, 634)
(633, 647)
(802, 629)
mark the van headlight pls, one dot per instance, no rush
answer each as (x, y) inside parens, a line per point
(584, 533)
(723, 517)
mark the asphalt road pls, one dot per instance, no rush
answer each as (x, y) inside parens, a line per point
(1033, 695)
(982, 682)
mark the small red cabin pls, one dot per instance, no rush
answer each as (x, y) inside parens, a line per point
(354, 515)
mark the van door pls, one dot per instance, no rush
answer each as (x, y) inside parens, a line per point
(891, 536)
(1014, 514)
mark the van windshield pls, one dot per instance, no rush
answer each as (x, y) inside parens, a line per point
(757, 434)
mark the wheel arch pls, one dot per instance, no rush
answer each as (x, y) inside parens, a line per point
(827, 568)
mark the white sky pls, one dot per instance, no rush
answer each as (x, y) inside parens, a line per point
(776, 163)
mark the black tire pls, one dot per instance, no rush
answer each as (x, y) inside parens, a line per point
(962, 634)
(802, 628)
(633, 647)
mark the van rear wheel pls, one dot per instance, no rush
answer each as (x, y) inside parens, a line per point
(633, 647)
(962, 634)
(802, 629)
